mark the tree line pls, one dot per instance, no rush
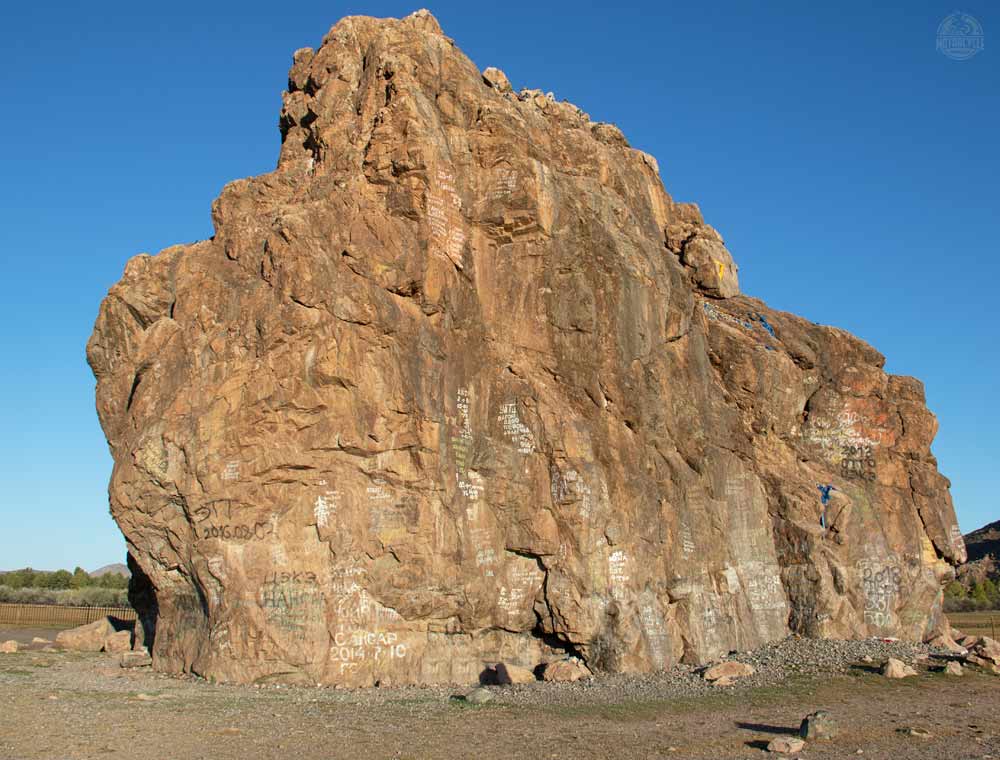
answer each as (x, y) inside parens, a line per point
(27, 578)
(978, 595)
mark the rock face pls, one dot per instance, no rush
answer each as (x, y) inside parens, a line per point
(459, 383)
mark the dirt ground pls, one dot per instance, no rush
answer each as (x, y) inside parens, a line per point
(56, 705)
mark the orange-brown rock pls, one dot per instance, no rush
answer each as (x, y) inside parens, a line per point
(90, 637)
(118, 642)
(730, 670)
(459, 383)
(565, 670)
(507, 674)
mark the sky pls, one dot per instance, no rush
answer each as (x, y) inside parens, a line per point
(851, 167)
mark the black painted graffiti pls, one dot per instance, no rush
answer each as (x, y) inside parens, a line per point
(292, 605)
(858, 462)
(293, 577)
(256, 532)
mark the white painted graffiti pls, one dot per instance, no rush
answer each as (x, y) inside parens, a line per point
(837, 438)
(377, 491)
(687, 540)
(764, 589)
(470, 483)
(570, 486)
(325, 507)
(880, 585)
(956, 539)
(352, 648)
(656, 634)
(514, 429)
(523, 581)
(618, 574)
(445, 219)
(504, 183)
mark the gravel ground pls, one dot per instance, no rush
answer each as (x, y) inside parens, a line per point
(57, 705)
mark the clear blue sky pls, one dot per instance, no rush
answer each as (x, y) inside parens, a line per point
(851, 168)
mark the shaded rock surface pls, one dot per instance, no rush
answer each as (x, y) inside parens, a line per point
(460, 383)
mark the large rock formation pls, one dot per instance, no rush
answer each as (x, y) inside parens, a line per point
(460, 383)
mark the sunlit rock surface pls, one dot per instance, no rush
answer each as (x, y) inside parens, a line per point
(459, 383)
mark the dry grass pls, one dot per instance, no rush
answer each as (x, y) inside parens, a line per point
(986, 623)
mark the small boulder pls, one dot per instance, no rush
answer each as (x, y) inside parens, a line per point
(992, 644)
(507, 674)
(818, 726)
(988, 649)
(786, 745)
(86, 638)
(8, 647)
(479, 696)
(954, 669)
(894, 668)
(730, 671)
(40, 641)
(118, 642)
(138, 659)
(565, 670)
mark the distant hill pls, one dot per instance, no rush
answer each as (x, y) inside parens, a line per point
(977, 582)
(118, 569)
(984, 541)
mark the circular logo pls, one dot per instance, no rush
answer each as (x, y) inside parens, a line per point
(960, 36)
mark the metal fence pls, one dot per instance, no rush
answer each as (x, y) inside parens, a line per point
(57, 616)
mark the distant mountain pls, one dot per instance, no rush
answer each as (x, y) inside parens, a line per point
(984, 541)
(118, 569)
(983, 547)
